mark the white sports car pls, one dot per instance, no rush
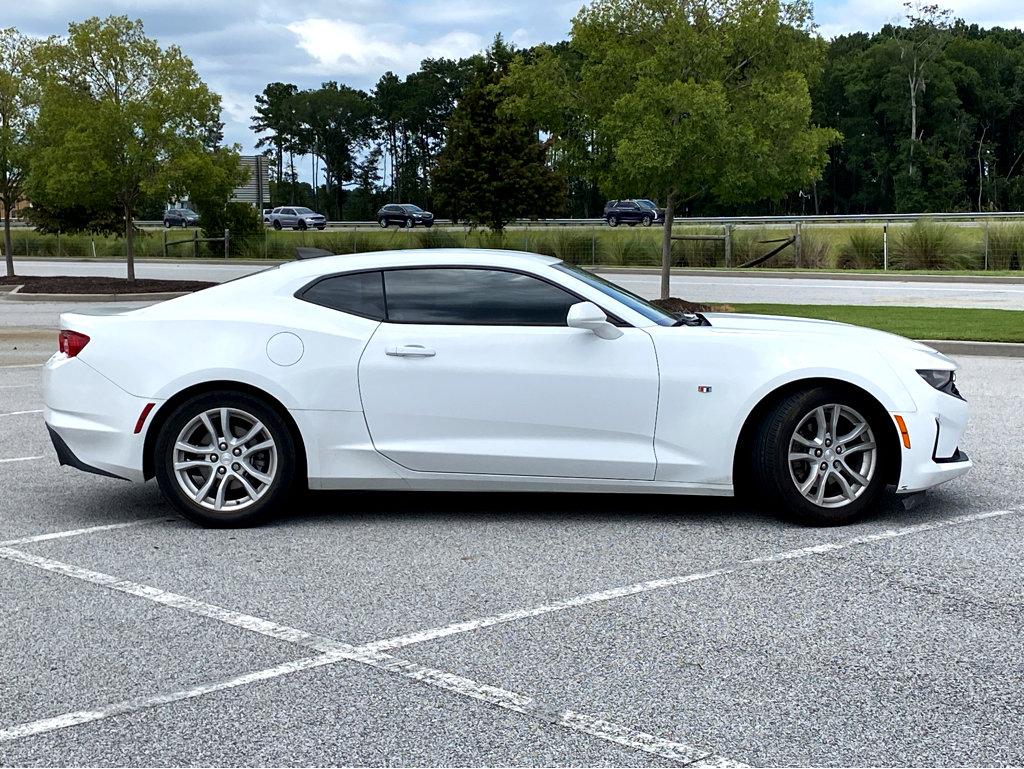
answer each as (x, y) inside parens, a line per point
(491, 370)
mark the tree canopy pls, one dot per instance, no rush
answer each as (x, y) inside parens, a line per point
(119, 118)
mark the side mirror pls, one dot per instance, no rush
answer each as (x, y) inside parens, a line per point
(591, 317)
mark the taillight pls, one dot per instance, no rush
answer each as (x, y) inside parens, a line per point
(71, 342)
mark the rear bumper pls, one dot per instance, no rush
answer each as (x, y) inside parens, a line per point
(91, 420)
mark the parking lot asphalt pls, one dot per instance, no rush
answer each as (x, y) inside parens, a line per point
(510, 630)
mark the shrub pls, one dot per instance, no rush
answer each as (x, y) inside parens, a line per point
(569, 245)
(244, 223)
(437, 238)
(1005, 247)
(926, 245)
(815, 250)
(862, 250)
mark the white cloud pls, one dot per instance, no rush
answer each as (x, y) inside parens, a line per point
(840, 17)
(348, 48)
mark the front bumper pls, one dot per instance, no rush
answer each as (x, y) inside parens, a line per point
(934, 456)
(91, 420)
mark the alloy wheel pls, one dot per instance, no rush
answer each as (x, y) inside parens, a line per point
(833, 455)
(225, 459)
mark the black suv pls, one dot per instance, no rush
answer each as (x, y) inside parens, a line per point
(181, 217)
(632, 212)
(404, 215)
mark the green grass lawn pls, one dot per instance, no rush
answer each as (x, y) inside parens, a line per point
(981, 325)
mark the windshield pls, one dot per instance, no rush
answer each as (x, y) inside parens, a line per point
(628, 298)
(304, 211)
(411, 208)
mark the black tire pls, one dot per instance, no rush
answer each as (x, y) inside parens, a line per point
(770, 465)
(646, 221)
(284, 481)
(277, 224)
(383, 223)
(322, 227)
(409, 224)
(167, 225)
(301, 226)
(613, 221)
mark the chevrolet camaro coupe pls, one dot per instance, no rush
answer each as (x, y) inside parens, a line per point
(491, 370)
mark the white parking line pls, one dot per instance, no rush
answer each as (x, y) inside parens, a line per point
(15, 387)
(19, 459)
(372, 654)
(335, 651)
(21, 413)
(658, 584)
(79, 532)
(22, 365)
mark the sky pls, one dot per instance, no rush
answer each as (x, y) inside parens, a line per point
(238, 46)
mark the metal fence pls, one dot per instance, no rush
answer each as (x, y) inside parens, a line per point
(979, 241)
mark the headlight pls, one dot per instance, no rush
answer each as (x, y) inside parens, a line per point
(943, 380)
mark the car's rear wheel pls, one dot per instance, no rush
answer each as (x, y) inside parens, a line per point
(820, 455)
(383, 223)
(167, 225)
(225, 459)
(277, 224)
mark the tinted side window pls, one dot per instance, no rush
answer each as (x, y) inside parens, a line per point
(461, 296)
(357, 294)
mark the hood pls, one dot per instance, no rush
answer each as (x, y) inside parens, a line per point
(777, 324)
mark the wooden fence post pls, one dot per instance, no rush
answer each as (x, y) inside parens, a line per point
(798, 244)
(227, 242)
(195, 243)
(728, 245)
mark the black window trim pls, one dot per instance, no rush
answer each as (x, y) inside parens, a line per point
(614, 319)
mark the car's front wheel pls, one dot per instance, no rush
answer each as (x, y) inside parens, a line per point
(408, 224)
(646, 221)
(820, 455)
(225, 459)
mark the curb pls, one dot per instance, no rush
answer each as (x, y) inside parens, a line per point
(15, 295)
(988, 349)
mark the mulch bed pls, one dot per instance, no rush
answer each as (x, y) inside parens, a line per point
(675, 304)
(69, 284)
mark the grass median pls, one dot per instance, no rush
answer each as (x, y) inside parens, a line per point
(980, 325)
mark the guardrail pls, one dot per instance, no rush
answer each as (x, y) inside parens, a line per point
(968, 216)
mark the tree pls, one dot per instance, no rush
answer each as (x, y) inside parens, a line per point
(920, 44)
(18, 104)
(275, 113)
(493, 169)
(700, 100)
(119, 118)
(336, 124)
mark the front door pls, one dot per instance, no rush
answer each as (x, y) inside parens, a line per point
(476, 372)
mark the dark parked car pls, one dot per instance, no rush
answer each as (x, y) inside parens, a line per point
(181, 217)
(404, 215)
(632, 212)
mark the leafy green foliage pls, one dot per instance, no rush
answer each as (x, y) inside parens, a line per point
(493, 168)
(119, 119)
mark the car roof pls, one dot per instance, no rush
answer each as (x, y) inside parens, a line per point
(419, 257)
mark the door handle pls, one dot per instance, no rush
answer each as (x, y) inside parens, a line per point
(411, 351)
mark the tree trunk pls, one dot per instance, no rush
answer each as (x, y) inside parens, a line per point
(129, 242)
(666, 244)
(8, 246)
(981, 167)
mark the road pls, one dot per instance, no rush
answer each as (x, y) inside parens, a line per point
(701, 288)
(509, 630)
